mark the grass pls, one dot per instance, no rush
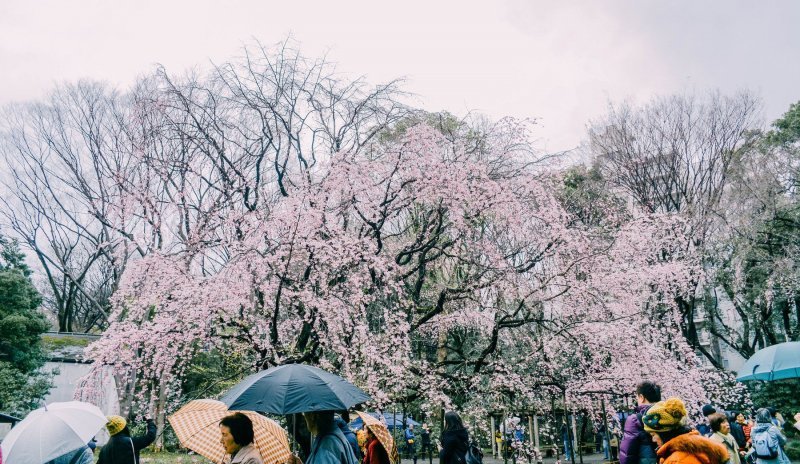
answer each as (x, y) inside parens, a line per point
(60, 342)
(169, 457)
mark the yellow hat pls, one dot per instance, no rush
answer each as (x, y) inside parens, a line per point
(115, 424)
(665, 416)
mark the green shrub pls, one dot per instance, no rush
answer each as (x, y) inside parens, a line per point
(793, 450)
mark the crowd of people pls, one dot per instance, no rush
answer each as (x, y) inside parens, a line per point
(657, 433)
(335, 443)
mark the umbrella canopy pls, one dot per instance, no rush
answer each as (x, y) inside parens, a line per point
(52, 431)
(776, 362)
(197, 427)
(392, 420)
(294, 388)
(382, 434)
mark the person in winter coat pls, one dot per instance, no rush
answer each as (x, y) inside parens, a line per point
(767, 441)
(341, 422)
(637, 445)
(122, 448)
(566, 440)
(455, 440)
(737, 432)
(722, 434)
(330, 445)
(746, 426)
(376, 453)
(678, 444)
(237, 439)
(411, 442)
(427, 445)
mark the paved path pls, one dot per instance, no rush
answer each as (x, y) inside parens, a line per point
(488, 459)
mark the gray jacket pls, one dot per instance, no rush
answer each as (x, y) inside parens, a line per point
(331, 447)
(776, 434)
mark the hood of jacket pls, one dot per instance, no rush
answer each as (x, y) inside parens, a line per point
(705, 450)
(758, 428)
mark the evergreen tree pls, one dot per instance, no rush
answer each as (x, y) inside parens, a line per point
(22, 383)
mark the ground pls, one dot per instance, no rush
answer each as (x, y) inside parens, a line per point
(183, 458)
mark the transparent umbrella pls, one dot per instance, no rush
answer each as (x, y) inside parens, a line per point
(52, 431)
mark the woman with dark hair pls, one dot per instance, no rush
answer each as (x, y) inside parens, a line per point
(678, 444)
(721, 427)
(376, 453)
(237, 439)
(455, 440)
(767, 440)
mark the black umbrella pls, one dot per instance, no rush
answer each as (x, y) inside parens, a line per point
(293, 388)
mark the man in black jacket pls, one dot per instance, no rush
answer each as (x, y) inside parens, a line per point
(121, 447)
(427, 445)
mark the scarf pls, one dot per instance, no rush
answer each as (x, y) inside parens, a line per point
(732, 446)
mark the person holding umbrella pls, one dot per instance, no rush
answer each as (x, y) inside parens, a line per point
(237, 439)
(121, 447)
(53, 431)
(329, 445)
(376, 453)
(210, 429)
(299, 388)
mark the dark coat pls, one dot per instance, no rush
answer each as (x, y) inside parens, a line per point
(738, 434)
(124, 449)
(376, 453)
(455, 444)
(425, 436)
(637, 445)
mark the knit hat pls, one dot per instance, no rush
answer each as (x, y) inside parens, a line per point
(665, 416)
(709, 410)
(115, 424)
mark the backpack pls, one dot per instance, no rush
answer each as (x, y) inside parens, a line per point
(765, 445)
(474, 455)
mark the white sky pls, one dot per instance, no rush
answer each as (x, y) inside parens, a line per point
(559, 61)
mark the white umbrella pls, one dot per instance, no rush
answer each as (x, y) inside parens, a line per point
(52, 431)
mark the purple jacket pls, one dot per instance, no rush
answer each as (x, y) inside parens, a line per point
(636, 443)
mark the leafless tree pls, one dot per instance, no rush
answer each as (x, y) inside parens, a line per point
(676, 154)
(58, 158)
(94, 178)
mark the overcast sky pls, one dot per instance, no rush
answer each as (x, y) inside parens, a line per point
(558, 61)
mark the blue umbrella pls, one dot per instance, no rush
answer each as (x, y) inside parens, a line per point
(392, 421)
(776, 362)
(293, 388)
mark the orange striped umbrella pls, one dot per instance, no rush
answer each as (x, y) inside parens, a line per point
(197, 427)
(382, 434)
